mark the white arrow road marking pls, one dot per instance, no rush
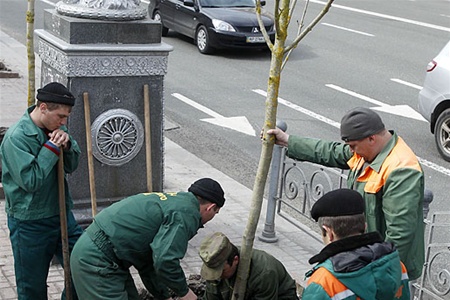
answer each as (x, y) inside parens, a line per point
(399, 110)
(240, 124)
(424, 162)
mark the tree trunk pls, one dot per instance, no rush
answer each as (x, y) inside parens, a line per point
(266, 153)
(283, 14)
(30, 52)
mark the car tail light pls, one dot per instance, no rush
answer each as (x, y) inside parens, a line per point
(431, 65)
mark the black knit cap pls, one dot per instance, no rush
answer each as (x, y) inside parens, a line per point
(208, 189)
(340, 202)
(55, 92)
(360, 123)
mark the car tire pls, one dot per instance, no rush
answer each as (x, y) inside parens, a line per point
(442, 134)
(202, 40)
(157, 17)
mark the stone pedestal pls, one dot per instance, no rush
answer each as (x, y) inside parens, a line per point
(111, 61)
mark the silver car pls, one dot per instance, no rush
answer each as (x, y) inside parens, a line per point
(434, 100)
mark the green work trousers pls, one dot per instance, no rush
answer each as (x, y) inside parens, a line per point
(97, 276)
(34, 243)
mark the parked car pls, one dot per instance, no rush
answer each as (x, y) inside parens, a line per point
(214, 23)
(434, 100)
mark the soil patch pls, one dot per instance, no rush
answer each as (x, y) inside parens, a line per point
(195, 282)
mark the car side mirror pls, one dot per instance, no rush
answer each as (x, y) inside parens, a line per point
(189, 3)
(263, 2)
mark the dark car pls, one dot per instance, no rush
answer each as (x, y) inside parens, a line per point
(214, 23)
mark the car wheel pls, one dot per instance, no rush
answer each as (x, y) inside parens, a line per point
(157, 17)
(442, 134)
(202, 40)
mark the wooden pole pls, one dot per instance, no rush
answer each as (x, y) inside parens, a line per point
(87, 121)
(63, 220)
(148, 139)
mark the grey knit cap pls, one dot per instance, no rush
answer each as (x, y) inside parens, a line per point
(360, 123)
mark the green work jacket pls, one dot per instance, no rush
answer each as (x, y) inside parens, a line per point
(392, 186)
(267, 280)
(30, 171)
(151, 231)
(371, 271)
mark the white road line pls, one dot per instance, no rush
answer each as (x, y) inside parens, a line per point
(415, 86)
(48, 2)
(356, 95)
(424, 162)
(404, 20)
(347, 29)
(301, 109)
(434, 166)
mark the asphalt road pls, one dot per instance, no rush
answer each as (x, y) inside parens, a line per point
(363, 53)
(373, 56)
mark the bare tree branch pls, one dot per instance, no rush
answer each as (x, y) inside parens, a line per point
(319, 17)
(261, 25)
(300, 26)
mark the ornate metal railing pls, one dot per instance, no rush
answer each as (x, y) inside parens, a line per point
(435, 280)
(301, 184)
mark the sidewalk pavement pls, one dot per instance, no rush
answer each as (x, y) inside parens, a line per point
(293, 248)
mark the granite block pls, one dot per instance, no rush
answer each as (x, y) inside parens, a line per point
(87, 31)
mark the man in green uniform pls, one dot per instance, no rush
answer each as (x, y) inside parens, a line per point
(148, 231)
(383, 169)
(353, 264)
(30, 152)
(268, 278)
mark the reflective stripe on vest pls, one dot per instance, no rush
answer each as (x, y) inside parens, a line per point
(331, 285)
(401, 156)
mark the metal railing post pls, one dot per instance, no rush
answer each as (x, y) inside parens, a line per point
(416, 285)
(268, 234)
(427, 199)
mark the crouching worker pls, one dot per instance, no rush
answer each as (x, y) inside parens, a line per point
(268, 279)
(353, 264)
(149, 231)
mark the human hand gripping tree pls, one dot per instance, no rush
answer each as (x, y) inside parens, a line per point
(280, 54)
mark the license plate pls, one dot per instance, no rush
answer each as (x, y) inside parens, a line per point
(255, 39)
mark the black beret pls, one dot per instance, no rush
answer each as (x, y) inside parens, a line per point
(55, 92)
(340, 202)
(208, 189)
(360, 123)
